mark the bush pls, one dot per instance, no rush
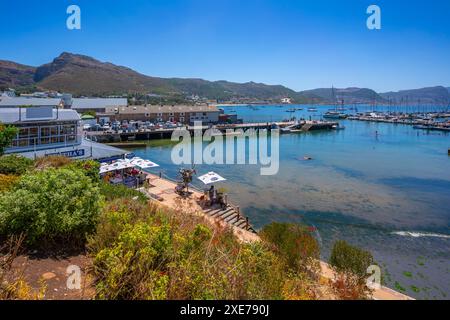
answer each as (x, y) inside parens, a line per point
(7, 182)
(351, 265)
(91, 168)
(144, 252)
(52, 162)
(112, 192)
(295, 244)
(50, 205)
(14, 164)
(7, 134)
(348, 259)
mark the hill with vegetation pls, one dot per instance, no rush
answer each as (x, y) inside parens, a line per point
(85, 76)
(437, 94)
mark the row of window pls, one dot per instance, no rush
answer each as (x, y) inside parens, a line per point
(43, 135)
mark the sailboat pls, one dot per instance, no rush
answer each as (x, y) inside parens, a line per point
(336, 114)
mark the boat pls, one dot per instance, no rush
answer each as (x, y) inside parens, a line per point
(312, 109)
(338, 127)
(335, 115)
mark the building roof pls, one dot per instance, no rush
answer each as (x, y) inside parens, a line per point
(98, 103)
(87, 117)
(160, 109)
(11, 115)
(102, 151)
(24, 101)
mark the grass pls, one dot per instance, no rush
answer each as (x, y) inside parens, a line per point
(407, 274)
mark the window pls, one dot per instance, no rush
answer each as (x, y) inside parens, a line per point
(159, 114)
(182, 114)
(171, 119)
(182, 119)
(171, 114)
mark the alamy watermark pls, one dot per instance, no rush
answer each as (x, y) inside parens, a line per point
(251, 147)
(73, 277)
(374, 20)
(73, 21)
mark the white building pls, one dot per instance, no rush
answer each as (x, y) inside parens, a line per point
(286, 100)
(45, 131)
(9, 102)
(97, 104)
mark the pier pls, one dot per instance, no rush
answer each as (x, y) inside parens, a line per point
(419, 121)
(122, 136)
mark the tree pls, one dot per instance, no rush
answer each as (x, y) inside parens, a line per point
(7, 135)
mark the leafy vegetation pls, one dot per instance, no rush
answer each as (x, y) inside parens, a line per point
(49, 205)
(143, 252)
(7, 182)
(14, 164)
(346, 258)
(295, 243)
(111, 192)
(351, 264)
(7, 134)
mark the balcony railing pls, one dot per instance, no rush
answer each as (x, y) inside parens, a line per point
(52, 142)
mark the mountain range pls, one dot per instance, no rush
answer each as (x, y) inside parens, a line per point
(85, 76)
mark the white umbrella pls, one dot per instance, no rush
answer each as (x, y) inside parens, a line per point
(143, 164)
(211, 177)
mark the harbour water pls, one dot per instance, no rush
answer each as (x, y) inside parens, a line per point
(381, 186)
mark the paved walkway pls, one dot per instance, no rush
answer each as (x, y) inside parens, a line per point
(163, 191)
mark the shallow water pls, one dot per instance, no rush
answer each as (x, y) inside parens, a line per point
(383, 187)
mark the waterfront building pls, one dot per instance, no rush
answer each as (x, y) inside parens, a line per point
(98, 105)
(47, 130)
(179, 114)
(11, 102)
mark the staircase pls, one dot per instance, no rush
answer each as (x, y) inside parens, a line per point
(232, 216)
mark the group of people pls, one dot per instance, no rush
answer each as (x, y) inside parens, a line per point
(130, 177)
(216, 197)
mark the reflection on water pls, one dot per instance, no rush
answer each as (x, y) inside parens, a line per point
(378, 191)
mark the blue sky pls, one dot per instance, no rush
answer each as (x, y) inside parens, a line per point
(300, 44)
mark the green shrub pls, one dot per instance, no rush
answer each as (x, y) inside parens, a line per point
(91, 168)
(52, 162)
(294, 243)
(348, 259)
(112, 192)
(141, 251)
(7, 182)
(7, 134)
(14, 164)
(49, 205)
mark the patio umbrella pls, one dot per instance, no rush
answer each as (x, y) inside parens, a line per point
(211, 177)
(143, 164)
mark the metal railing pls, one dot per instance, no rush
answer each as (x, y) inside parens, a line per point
(40, 143)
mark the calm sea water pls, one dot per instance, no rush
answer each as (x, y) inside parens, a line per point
(383, 187)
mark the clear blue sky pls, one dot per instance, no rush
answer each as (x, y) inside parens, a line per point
(300, 44)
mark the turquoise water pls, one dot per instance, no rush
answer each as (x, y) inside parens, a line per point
(371, 189)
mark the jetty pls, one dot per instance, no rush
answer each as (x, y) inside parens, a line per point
(166, 133)
(418, 121)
